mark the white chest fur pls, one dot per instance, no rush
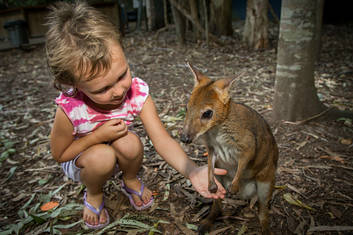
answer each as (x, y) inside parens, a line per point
(225, 156)
(224, 151)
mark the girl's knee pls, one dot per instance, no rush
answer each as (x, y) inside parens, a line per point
(99, 159)
(129, 146)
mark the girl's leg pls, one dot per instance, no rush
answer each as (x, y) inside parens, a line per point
(97, 163)
(129, 151)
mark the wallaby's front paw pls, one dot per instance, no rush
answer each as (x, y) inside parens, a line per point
(234, 188)
(212, 187)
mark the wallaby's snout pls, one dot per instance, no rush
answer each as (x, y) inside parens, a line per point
(188, 135)
(185, 138)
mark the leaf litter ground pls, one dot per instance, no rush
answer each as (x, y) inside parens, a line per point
(314, 193)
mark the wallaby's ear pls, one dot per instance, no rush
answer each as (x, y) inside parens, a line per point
(222, 87)
(198, 76)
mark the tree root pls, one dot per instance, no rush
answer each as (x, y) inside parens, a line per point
(331, 113)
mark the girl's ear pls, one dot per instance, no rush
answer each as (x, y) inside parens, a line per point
(198, 76)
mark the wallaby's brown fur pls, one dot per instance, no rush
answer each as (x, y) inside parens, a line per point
(238, 139)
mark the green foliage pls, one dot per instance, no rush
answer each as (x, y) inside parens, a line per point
(181, 113)
(46, 222)
(346, 121)
(31, 217)
(6, 149)
(131, 225)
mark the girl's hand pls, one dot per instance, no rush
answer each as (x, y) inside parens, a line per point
(111, 130)
(199, 179)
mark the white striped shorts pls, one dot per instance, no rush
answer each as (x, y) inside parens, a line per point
(72, 171)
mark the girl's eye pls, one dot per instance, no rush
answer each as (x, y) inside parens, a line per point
(102, 91)
(207, 114)
(122, 76)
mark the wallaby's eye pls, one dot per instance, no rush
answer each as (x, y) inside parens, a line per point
(207, 114)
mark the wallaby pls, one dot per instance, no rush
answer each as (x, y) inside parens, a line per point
(238, 139)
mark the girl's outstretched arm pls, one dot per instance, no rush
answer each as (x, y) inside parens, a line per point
(172, 152)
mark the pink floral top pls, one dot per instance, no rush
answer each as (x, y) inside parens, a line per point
(85, 119)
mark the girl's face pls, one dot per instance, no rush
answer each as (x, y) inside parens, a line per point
(109, 90)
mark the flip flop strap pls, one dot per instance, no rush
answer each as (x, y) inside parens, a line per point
(131, 191)
(92, 208)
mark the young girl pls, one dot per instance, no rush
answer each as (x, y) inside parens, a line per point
(91, 137)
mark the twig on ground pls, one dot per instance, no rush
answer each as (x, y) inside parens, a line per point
(310, 118)
(330, 228)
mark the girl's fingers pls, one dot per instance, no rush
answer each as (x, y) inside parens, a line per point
(218, 171)
(116, 121)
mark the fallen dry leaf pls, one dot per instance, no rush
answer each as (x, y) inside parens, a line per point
(288, 197)
(335, 158)
(346, 141)
(155, 193)
(49, 206)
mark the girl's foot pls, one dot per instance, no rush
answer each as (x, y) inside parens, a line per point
(137, 186)
(94, 213)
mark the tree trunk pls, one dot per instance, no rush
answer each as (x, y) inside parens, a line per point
(183, 12)
(319, 14)
(180, 24)
(150, 14)
(255, 33)
(194, 15)
(221, 17)
(295, 93)
(154, 14)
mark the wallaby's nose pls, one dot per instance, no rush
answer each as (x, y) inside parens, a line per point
(185, 139)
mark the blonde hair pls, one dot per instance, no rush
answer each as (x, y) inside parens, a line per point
(77, 43)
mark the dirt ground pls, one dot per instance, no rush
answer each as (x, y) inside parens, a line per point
(314, 193)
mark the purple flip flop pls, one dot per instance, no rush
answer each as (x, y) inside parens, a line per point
(97, 212)
(128, 192)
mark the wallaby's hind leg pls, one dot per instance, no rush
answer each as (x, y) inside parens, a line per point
(264, 193)
(207, 223)
(242, 163)
(243, 159)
